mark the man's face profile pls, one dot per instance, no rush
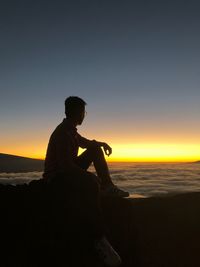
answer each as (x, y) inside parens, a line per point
(81, 116)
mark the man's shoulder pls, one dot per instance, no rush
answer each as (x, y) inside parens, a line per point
(60, 131)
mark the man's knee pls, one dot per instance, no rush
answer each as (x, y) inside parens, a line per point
(95, 148)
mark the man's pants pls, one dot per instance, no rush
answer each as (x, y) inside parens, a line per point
(80, 193)
(88, 187)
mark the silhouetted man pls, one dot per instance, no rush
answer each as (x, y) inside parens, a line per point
(62, 160)
(62, 153)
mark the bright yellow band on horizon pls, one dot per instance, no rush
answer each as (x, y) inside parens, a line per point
(156, 152)
(130, 152)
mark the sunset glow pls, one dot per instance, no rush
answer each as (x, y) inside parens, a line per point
(134, 65)
(131, 152)
(127, 152)
(156, 152)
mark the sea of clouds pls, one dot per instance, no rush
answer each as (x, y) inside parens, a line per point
(138, 178)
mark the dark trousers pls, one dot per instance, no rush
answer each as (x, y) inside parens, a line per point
(94, 154)
(83, 195)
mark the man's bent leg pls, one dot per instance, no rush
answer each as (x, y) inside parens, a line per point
(95, 154)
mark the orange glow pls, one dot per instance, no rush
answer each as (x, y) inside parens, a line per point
(156, 152)
(127, 152)
(30, 151)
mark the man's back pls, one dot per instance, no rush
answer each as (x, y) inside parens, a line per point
(62, 149)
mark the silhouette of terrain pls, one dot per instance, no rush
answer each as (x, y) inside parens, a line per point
(39, 228)
(12, 163)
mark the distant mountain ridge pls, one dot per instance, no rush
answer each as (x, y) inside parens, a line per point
(13, 163)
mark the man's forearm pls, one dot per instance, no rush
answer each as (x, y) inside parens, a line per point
(99, 143)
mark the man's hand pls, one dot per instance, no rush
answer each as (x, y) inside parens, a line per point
(107, 149)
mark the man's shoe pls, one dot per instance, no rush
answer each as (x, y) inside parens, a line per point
(106, 253)
(114, 191)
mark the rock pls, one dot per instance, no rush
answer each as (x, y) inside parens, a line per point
(38, 229)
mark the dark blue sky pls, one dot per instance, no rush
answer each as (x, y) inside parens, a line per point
(136, 64)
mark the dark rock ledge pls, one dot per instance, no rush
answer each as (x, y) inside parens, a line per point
(38, 229)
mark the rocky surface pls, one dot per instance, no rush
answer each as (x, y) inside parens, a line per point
(38, 229)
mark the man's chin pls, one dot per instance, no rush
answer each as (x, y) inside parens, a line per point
(80, 122)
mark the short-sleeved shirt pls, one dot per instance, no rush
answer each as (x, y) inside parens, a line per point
(62, 149)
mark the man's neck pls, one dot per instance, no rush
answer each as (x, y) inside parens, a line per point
(71, 122)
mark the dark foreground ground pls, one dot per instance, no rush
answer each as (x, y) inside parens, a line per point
(38, 229)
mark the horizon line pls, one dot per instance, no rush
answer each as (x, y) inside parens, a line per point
(120, 160)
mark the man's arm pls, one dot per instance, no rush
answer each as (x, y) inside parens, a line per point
(107, 149)
(85, 143)
(64, 156)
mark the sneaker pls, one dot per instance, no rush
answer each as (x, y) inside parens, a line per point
(114, 191)
(106, 253)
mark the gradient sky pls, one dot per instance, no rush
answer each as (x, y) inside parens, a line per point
(136, 64)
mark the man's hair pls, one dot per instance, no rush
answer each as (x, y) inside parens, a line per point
(74, 104)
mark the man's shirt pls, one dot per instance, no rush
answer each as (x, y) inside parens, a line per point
(62, 149)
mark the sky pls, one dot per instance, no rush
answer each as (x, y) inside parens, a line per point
(135, 63)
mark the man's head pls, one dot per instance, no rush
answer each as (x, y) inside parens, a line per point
(75, 109)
